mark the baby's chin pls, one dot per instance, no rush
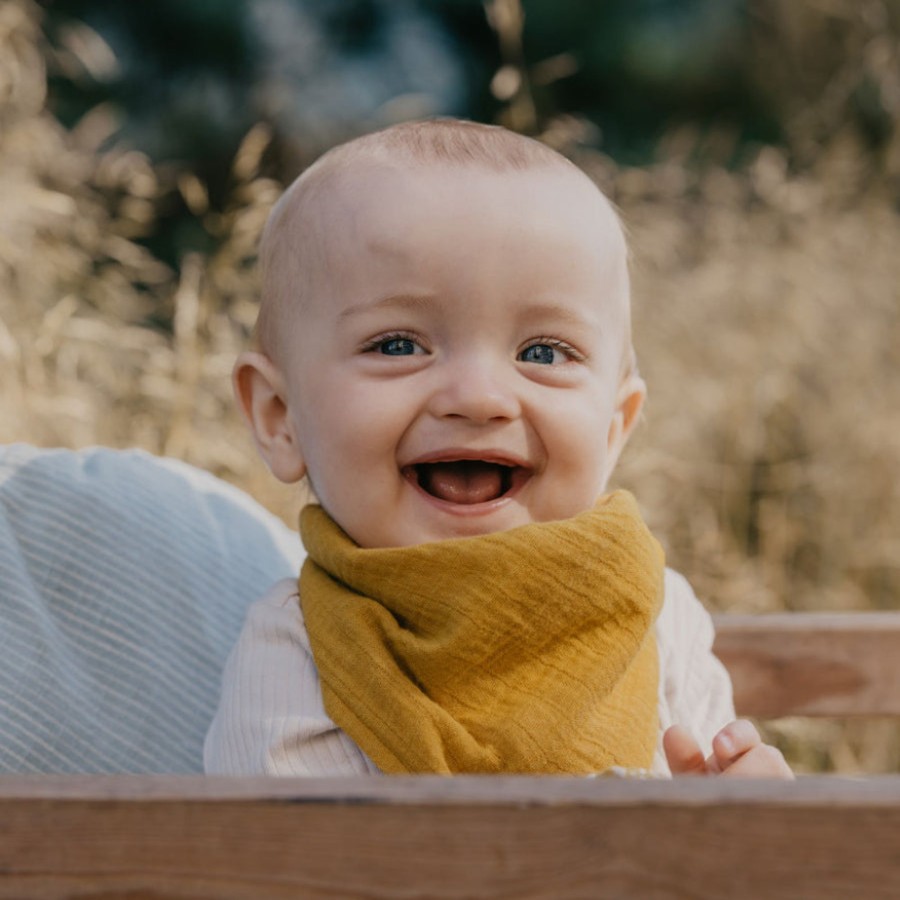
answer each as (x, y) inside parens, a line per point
(454, 529)
(406, 535)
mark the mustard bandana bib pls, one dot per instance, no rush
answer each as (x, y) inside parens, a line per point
(523, 651)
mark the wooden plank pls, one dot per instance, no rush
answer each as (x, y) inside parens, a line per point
(821, 837)
(812, 664)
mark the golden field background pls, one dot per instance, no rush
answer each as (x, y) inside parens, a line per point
(767, 323)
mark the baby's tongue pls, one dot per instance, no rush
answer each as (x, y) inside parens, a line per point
(464, 481)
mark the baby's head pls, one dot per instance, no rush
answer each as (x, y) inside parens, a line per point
(444, 337)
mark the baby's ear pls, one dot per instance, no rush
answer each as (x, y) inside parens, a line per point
(262, 398)
(629, 402)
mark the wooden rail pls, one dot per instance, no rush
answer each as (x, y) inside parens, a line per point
(812, 664)
(822, 837)
(827, 838)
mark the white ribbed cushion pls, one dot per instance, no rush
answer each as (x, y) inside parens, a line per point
(124, 581)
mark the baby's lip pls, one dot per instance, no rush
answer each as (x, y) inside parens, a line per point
(440, 477)
(497, 457)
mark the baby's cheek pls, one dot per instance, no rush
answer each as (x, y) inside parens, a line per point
(575, 495)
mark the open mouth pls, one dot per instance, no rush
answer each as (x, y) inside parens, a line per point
(466, 481)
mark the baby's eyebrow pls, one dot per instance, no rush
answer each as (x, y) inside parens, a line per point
(392, 301)
(534, 314)
(557, 312)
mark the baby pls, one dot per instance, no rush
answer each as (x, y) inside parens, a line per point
(444, 353)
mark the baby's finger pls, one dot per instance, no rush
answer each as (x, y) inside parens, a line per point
(762, 761)
(733, 741)
(683, 753)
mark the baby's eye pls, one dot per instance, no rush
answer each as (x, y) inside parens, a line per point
(549, 353)
(394, 345)
(539, 353)
(397, 347)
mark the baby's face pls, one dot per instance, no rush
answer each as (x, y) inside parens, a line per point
(456, 369)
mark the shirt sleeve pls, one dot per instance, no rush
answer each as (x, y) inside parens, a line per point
(695, 688)
(271, 719)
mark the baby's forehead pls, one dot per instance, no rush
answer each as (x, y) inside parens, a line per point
(342, 201)
(436, 150)
(387, 215)
(338, 199)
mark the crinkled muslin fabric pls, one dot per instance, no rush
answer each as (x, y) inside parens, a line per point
(124, 581)
(271, 718)
(525, 651)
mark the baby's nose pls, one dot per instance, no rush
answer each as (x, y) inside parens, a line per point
(475, 390)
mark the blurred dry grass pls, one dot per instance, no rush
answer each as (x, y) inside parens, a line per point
(100, 342)
(767, 307)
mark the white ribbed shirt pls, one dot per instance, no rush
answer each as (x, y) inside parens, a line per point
(271, 719)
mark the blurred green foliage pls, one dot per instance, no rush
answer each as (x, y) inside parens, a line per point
(633, 67)
(191, 76)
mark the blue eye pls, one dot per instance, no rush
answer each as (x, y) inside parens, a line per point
(551, 351)
(543, 354)
(394, 343)
(397, 347)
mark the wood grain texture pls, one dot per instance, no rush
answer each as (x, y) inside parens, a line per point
(142, 837)
(812, 664)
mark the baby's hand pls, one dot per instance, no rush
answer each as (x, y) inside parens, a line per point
(737, 750)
